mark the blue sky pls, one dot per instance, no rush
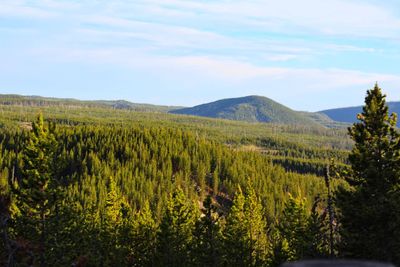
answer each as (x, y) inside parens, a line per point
(309, 54)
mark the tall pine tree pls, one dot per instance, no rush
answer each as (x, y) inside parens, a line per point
(37, 191)
(245, 240)
(369, 210)
(143, 238)
(176, 230)
(207, 236)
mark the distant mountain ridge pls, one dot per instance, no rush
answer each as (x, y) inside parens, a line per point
(12, 99)
(251, 109)
(349, 114)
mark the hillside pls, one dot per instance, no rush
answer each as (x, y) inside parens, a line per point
(8, 99)
(349, 114)
(250, 109)
(303, 142)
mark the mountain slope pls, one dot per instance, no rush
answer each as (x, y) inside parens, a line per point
(349, 115)
(324, 119)
(250, 109)
(22, 100)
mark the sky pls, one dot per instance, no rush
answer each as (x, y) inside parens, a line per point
(308, 55)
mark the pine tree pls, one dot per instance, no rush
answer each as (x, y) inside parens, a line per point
(207, 236)
(235, 232)
(257, 228)
(299, 235)
(7, 244)
(293, 227)
(144, 238)
(114, 221)
(369, 209)
(37, 191)
(279, 249)
(176, 230)
(215, 181)
(318, 237)
(245, 241)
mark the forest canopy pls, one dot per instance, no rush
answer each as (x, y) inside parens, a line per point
(147, 189)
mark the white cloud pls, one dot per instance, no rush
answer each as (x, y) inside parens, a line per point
(208, 27)
(164, 35)
(330, 17)
(18, 9)
(350, 48)
(223, 69)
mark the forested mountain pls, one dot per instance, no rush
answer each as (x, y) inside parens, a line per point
(349, 115)
(70, 102)
(250, 109)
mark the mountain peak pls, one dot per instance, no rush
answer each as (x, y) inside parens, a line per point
(252, 108)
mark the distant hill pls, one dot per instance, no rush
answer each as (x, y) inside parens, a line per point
(250, 109)
(324, 120)
(349, 115)
(70, 102)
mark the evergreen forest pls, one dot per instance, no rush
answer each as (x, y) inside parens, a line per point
(84, 184)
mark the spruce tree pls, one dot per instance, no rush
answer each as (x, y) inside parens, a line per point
(369, 210)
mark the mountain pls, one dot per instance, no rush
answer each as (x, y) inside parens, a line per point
(349, 115)
(250, 109)
(324, 119)
(21, 100)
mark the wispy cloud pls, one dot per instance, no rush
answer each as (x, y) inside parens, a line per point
(18, 9)
(221, 68)
(327, 17)
(239, 28)
(298, 47)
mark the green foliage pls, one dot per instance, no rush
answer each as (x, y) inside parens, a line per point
(6, 241)
(313, 144)
(112, 175)
(176, 228)
(245, 242)
(113, 222)
(144, 238)
(207, 235)
(369, 209)
(37, 191)
(299, 235)
(294, 227)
